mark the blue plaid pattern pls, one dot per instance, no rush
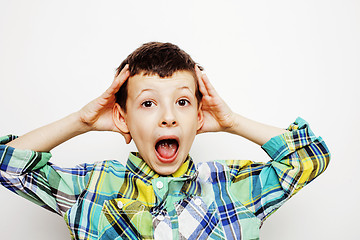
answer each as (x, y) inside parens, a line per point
(211, 200)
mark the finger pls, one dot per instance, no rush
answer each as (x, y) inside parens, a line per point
(122, 75)
(209, 87)
(118, 81)
(199, 75)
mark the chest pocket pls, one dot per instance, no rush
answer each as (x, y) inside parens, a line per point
(125, 219)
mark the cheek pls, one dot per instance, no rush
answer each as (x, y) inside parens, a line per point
(140, 127)
(191, 122)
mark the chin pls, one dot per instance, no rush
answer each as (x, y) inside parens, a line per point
(166, 170)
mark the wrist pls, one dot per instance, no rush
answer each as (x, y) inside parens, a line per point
(234, 124)
(79, 125)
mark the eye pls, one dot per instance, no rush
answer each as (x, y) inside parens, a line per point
(183, 102)
(147, 104)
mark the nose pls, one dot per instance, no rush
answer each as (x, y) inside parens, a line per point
(168, 118)
(168, 123)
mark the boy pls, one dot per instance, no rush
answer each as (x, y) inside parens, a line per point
(161, 100)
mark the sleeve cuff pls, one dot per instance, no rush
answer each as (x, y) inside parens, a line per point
(18, 161)
(299, 135)
(7, 139)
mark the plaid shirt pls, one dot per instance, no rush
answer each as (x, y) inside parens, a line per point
(212, 200)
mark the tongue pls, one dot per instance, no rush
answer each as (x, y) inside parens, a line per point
(167, 148)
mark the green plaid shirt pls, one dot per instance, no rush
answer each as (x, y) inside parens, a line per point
(210, 200)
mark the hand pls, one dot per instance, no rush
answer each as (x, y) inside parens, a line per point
(97, 115)
(217, 115)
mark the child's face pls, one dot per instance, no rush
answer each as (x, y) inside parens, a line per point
(163, 117)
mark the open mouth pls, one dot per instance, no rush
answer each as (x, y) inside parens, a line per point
(167, 149)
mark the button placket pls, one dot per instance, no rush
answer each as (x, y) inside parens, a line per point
(160, 217)
(197, 201)
(159, 185)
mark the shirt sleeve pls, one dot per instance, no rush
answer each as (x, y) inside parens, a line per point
(298, 157)
(31, 175)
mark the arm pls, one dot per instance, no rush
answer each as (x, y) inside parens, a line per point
(298, 156)
(24, 162)
(256, 132)
(30, 175)
(219, 117)
(95, 116)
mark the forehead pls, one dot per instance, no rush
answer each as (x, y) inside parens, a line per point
(179, 80)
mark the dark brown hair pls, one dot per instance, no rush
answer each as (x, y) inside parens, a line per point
(156, 58)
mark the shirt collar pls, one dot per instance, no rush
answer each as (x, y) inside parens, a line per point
(138, 166)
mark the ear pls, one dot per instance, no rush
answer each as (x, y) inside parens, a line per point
(119, 119)
(200, 117)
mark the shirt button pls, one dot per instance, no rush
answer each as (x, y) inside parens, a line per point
(120, 204)
(159, 185)
(197, 201)
(160, 217)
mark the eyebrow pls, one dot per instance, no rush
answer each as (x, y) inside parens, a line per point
(185, 87)
(144, 90)
(154, 90)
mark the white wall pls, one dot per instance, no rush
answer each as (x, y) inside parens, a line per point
(270, 60)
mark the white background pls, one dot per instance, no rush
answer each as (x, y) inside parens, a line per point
(270, 60)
